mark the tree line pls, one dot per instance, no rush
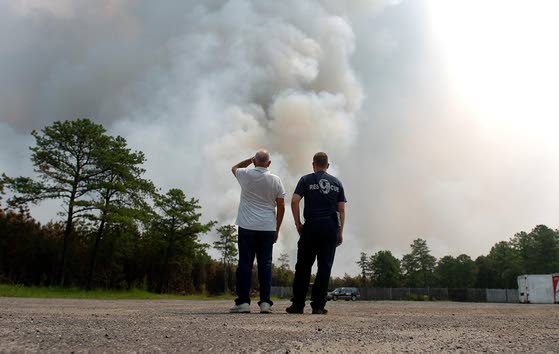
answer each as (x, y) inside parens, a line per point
(536, 252)
(120, 231)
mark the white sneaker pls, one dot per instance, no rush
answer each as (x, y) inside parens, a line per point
(265, 307)
(240, 308)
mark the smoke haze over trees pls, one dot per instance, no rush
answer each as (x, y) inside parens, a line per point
(122, 232)
(434, 130)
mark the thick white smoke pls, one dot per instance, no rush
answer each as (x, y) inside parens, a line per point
(249, 75)
(198, 86)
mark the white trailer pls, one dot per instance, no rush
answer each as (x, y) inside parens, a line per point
(538, 288)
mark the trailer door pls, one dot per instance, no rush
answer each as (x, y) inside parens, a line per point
(556, 288)
(522, 288)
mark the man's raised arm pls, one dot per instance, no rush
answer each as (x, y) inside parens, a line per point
(242, 164)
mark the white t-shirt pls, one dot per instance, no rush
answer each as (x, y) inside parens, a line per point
(259, 191)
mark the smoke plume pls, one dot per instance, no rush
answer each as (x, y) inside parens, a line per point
(201, 85)
(198, 86)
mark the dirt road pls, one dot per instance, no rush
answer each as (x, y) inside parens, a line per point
(124, 325)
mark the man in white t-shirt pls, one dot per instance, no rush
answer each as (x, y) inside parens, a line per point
(261, 193)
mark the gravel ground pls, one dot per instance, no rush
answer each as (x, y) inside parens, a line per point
(147, 325)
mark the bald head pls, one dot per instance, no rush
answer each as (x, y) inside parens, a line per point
(262, 158)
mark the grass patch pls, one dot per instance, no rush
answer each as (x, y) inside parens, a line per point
(77, 293)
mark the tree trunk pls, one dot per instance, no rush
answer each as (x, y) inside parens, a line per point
(225, 277)
(98, 237)
(165, 275)
(67, 235)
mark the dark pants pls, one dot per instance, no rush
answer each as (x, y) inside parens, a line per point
(254, 243)
(318, 241)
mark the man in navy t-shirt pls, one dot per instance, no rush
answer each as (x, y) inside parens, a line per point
(321, 233)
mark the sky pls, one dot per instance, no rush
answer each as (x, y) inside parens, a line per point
(440, 117)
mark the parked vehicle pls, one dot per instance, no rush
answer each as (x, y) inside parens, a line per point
(538, 288)
(343, 293)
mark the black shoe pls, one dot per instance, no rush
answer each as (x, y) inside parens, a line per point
(319, 311)
(294, 309)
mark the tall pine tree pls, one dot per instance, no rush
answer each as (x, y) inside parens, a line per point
(66, 159)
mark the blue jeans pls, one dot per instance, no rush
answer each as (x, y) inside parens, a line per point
(254, 243)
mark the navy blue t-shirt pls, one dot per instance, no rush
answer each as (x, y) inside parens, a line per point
(322, 193)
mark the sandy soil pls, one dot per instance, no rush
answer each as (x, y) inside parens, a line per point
(146, 325)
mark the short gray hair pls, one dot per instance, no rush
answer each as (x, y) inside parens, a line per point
(262, 156)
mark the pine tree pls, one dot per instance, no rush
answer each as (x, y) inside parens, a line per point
(365, 267)
(227, 246)
(120, 193)
(66, 158)
(178, 226)
(419, 265)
